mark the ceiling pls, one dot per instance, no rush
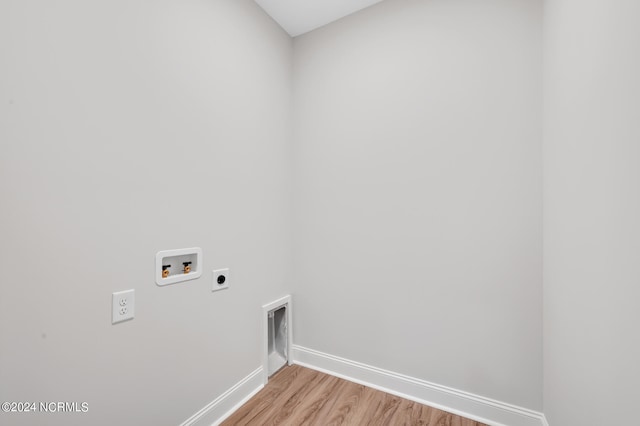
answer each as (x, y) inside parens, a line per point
(300, 16)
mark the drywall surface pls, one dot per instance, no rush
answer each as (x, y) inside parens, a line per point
(129, 127)
(418, 193)
(592, 211)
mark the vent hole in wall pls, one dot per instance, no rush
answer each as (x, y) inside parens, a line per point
(277, 346)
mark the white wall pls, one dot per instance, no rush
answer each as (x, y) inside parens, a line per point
(418, 192)
(592, 212)
(120, 121)
(418, 199)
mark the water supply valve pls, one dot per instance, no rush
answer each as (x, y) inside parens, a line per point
(165, 271)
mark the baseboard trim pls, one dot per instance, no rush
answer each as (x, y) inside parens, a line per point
(226, 404)
(485, 410)
(544, 421)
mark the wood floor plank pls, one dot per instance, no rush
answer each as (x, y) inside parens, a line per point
(385, 410)
(362, 413)
(409, 413)
(298, 396)
(270, 399)
(339, 403)
(302, 407)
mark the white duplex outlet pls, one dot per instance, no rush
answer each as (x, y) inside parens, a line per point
(123, 306)
(221, 279)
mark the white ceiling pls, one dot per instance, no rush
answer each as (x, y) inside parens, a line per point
(301, 16)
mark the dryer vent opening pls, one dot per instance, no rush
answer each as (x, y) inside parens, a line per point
(277, 345)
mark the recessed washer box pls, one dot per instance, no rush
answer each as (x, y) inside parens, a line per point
(174, 266)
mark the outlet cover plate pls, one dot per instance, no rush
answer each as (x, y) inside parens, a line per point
(123, 306)
(226, 273)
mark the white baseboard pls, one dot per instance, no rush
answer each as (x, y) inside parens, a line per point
(226, 404)
(544, 421)
(485, 410)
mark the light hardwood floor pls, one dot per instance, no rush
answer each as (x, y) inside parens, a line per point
(299, 396)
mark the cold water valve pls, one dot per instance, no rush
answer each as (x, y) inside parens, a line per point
(165, 271)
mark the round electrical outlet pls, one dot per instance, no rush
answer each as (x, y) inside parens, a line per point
(221, 279)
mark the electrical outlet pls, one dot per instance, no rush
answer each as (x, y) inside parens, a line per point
(123, 306)
(221, 279)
